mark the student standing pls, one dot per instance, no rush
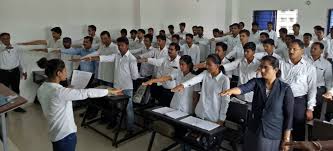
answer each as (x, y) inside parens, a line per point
(203, 44)
(191, 49)
(269, 50)
(270, 31)
(297, 34)
(56, 102)
(263, 37)
(307, 39)
(255, 33)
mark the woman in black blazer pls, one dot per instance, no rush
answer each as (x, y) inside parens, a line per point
(271, 118)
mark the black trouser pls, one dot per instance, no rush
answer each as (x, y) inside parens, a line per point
(11, 79)
(164, 96)
(299, 120)
(320, 101)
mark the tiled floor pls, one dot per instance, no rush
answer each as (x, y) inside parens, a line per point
(29, 132)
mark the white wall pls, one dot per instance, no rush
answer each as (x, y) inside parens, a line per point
(308, 16)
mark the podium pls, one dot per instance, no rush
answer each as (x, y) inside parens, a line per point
(13, 104)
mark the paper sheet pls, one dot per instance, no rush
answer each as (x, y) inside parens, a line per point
(163, 110)
(176, 114)
(206, 125)
(80, 79)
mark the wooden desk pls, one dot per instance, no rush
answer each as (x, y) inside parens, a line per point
(5, 91)
(177, 123)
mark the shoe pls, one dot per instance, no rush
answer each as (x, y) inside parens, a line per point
(20, 110)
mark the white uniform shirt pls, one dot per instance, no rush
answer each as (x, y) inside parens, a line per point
(255, 37)
(184, 101)
(157, 54)
(230, 40)
(302, 79)
(204, 46)
(272, 34)
(145, 69)
(193, 52)
(11, 58)
(56, 102)
(299, 36)
(324, 72)
(237, 52)
(260, 55)
(211, 105)
(126, 69)
(166, 66)
(260, 47)
(247, 71)
(51, 45)
(327, 46)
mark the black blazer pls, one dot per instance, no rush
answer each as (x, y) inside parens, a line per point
(272, 114)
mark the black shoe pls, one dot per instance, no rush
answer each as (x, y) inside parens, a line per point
(20, 110)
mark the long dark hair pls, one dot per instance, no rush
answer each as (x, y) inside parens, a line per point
(216, 60)
(51, 66)
(274, 62)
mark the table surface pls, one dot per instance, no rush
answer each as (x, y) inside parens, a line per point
(5, 91)
(213, 132)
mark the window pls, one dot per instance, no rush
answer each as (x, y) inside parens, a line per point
(330, 20)
(263, 16)
(280, 18)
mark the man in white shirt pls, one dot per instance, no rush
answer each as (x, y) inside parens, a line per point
(167, 65)
(11, 65)
(176, 39)
(260, 46)
(203, 44)
(146, 70)
(269, 47)
(194, 31)
(238, 51)
(123, 32)
(92, 33)
(297, 34)
(132, 39)
(324, 75)
(162, 33)
(231, 40)
(247, 68)
(212, 44)
(307, 39)
(283, 51)
(51, 45)
(171, 29)
(191, 49)
(126, 70)
(139, 41)
(302, 78)
(152, 33)
(270, 31)
(255, 33)
(241, 25)
(182, 33)
(328, 53)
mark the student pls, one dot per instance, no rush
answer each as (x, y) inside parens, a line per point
(260, 46)
(132, 39)
(139, 42)
(67, 42)
(241, 25)
(283, 52)
(123, 32)
(302, 78)
(211, 106)
(307, 39)
(11, 65)
(246, 68)
(126, 70)
(162, 33)
(152, 33)
(270, 31)
(280, 43)
(187, 100)
(216, 34)
(176, 39)
(255, 33)
(191, 49)
(203, 43)
(269, 50)
(330, 35)
(56, 102)
(86, 50)
(231, 40)
(92, 33)
(194, 31)
(319, 31)
(161, 52)
(162, 92)
(182, 33)
(238, 52)
(171, 29)
(324, 75)
(272, 109)
(297, 34)
(52, 44)
(220, 50)
(146, 70)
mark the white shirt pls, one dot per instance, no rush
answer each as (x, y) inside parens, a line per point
(283, 53)
(307, 50)
(56, 102)
(167, 66)
(255, 37)
(247, 71)
(145, 69)
(204, 45)
(260, 55)
(302, 79)
(184, 101)
(11, 58)
(182, 36)
(272, 34)
(66, 57)
(126, 69)
(237, 52)
(137, 44)
(51, 45)
(324, 72)
(260, 47)
(193, 52)
(327, 46)
(299, 36)
(230, 40)
(211, 105)
(157, 54)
